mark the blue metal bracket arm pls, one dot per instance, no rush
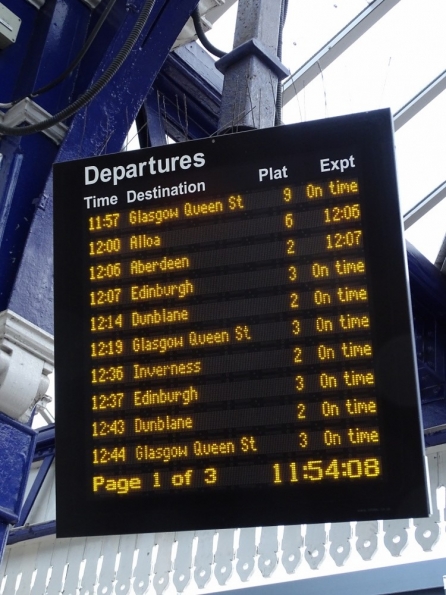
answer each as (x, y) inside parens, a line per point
(22, 177)
(17, 443)
(45, 442)
(44, 451)
(17, 534)
(99, 128)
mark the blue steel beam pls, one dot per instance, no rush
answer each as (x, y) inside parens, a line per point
(99, 128)
(428, 291)
(17, 534)
(17, 447)
(48, 40)
(189, 89)
(56, 21)
(36, 57)
(149, 122)
(427, 283)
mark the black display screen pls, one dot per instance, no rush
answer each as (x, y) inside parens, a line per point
(233, 334)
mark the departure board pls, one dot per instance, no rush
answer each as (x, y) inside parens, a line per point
(233, 334)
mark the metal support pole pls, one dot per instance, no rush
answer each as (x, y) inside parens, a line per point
(252, 69)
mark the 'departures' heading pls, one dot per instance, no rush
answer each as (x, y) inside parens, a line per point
(153, 166)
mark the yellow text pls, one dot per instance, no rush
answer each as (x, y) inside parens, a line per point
(120, 485)
(205, 208)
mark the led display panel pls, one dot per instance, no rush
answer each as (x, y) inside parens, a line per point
(233, 334)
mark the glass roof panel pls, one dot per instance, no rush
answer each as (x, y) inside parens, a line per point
(310, 25)
(397, 57)
(421, 153)
(301, 39)
(386, 67)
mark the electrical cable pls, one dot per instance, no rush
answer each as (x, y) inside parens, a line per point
(279, 96)
(73, 64)
(90, 93)
(202, 36)
(81, 54)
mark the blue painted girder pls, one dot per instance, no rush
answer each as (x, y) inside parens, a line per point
(48, 41)
(17, 448)
(188, 92)
(99, 128)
